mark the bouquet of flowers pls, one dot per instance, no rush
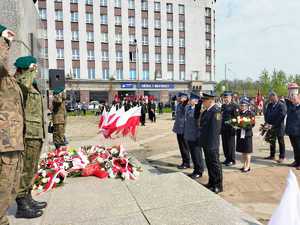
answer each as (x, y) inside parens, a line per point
(268, 133)
(242, 122)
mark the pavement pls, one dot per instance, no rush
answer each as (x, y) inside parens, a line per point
(163, 195)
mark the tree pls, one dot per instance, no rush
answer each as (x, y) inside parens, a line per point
(265, 82)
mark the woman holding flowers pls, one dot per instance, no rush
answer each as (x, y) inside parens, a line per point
(245, 122)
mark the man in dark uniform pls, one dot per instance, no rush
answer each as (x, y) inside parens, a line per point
(229, 111)
(210, 129)
(179, 130)
(275, 114)
(143, 112)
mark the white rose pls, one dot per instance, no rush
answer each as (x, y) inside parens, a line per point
(44, 174)
(45, 180)
(40, 188)
(57, 180)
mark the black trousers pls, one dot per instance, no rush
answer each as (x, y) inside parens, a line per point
(197, 156)
(281, 147)
(295, 141)
(228, 143)
(143, 118)
(184, 150)
(214, 168)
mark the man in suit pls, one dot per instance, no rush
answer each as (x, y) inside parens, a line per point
(210, 129)
(229, 111)
(275, 114)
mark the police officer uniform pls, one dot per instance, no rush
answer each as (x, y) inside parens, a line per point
(210, 129)
(293, 130)
(274, 116)
(11, 132)
(178, 128)
(34, 135)
(229, 111)
(191, 136)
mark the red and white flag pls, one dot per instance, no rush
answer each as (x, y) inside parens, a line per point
(103, 118)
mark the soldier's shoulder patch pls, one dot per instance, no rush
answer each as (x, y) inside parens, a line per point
(218, 115)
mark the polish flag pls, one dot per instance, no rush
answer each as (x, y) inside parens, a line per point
(110, 127)
(103, 118)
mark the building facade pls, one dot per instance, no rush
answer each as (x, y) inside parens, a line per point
(152, 47)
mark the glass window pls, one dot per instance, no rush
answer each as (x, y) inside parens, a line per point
(91, 73)
(170, 58)
(60, 53)
(104, 55)
(181, 42)
(145, 40)
(181, 59)
(170, 41)
(90, 36)
(74, 17)
(119, 56)
(145, 57)
(43, 14)
(59, 15)
(119, 73)
(181, 9)
(208, 60)
(91, 55)
(145, 75)
(144, 5)
(170, 75)
(104, 37)
(181, 26)
(74, 1)
(118, 38)
(89, 2)
(58, 0)
(44, 53)
(118, 20)
(76, 72)
(132, 75)
(89, 18)
(208, 12)
(103, 2)
(132, 39)
(169, 8)
(118, 3)
(157, 58)
(157, 24)
(170, 24)
(75, 35)
(43, 34)
(208, 44)
(59, 34)
(132, 56)
(157, 6)
(131, 4)
(131, 21)
(181, 75)
(157, 41)
(208, 28)
(75, 54)
(103, 19)
(145, 22)
(105, 74)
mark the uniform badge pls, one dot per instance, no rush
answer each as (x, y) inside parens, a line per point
(218, 116)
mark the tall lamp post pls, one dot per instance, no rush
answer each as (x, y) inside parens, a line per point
(138, 66)
(226, 68)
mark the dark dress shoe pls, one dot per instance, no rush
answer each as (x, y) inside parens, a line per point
(183, 167)
(36, 204)
(216, 190)
(294, 164)
(225, 162)
(195, 176)
(230, 164)
(246, 171)
(270, 158)
(25, 210)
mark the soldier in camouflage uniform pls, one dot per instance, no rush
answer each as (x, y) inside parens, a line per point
(33, 139)
(59, 117)
(11, 129)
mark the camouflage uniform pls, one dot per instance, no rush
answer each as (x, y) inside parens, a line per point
(34, 135)
(11, 137)
(59, 119)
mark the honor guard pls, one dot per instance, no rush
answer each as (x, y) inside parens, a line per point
(229, 110)
(210, 129)
(191, 136)
(179, 130)
(33, 138)
(11, 129)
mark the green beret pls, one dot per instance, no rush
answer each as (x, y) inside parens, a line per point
(2, 28)
(24, 62)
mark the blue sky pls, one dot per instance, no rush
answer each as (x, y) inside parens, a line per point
(255, 34)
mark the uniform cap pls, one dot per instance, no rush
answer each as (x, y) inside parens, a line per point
(208, 95)
(194, 96)
(244, 101)
(2, 28)
(181, 94)
(25, 61)
(227, 93)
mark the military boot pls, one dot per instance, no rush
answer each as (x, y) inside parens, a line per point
(25, 210)
(35, 204)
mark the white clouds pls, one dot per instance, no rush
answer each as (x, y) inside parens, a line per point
(258, 34)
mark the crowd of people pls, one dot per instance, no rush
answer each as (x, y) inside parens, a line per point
(200, 123)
